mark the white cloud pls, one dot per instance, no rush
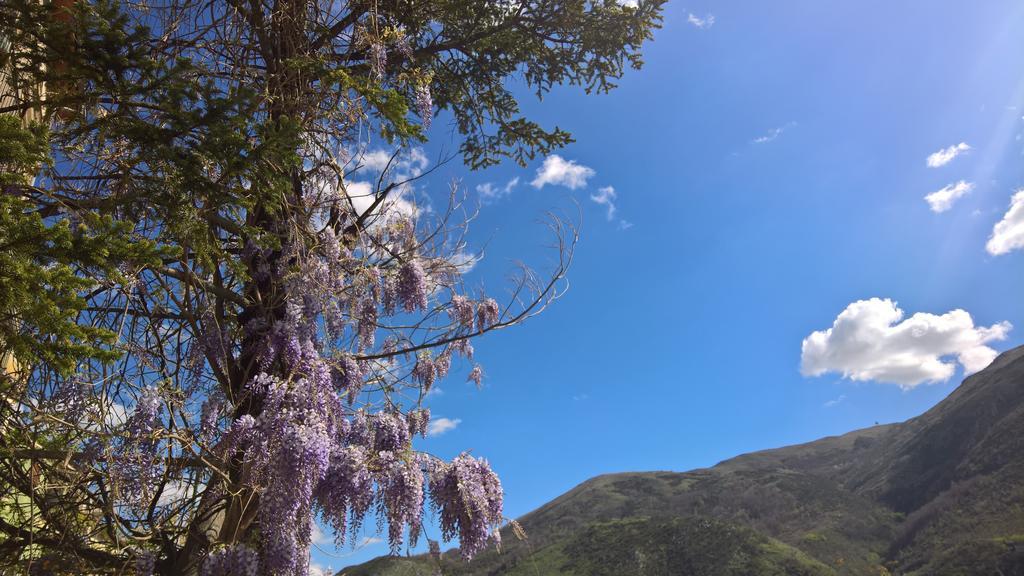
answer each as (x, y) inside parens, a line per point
(629, 3)
(488, 191)
(557, 170)
(317, 535)
(319, 570)
(463, 261)
(362, 196)
(606, 197)
(942, 200)
(439, 426)
(1008, 233)
(174, 492)
(870, 340)
(702, 23)
(415, 161)
(946, 155)
(835, 401)
(773, 133)
(404, 164)
(369, 541)
(401, 167)
(115, 414)
(374, 160)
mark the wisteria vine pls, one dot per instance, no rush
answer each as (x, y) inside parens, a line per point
(276, 360)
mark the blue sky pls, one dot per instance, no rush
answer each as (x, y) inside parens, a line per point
(771, 162)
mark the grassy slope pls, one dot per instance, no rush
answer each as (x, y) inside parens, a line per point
(942, 494)
(633, 547)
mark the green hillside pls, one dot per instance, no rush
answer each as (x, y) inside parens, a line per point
(632, 547)
(940, 494)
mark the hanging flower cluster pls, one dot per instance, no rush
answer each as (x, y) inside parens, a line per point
(136, 461)
(237, 560)
(274, 337)
(469, 497)
(300, 403)
(304, 437)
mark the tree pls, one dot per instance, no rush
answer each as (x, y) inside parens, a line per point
(253, 345)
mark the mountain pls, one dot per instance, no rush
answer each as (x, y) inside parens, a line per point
(939, 494)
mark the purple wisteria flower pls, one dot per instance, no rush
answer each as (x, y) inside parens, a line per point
(237, 560)
(145, 562)
(146, 418)
(400, 484)
(443, 363)
(424, 104)
(390, 433)
(378, 55)
(367, 322)
(476, 375)
(487, 313)
(424, 372)
(209, 415)
(346, 492)
(348, 377)
(290, 457)
(241, 433)
(404, 46)
(418, 421)
(306, 452)
(462, 347)
(390, 347)
(389, 295)
(72, 399)
(137, 463)
(412, 286)
(468, 497)
(461, 311)
(360, 433)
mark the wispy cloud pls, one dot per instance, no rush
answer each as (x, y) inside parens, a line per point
(409, 162)
(702, 23)
(871, 340)
(942, 200)
(463, 261)
(773, 134)
(557, 170)
(946, 155)
(362, 196)
(834, 401)
(1008, 233)
(489, 191)
(400, 167)
(316, 534)
(606, 197)
(439, 426)
(320, 570)
(174, 491)
(369, 541)
(374, 160)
